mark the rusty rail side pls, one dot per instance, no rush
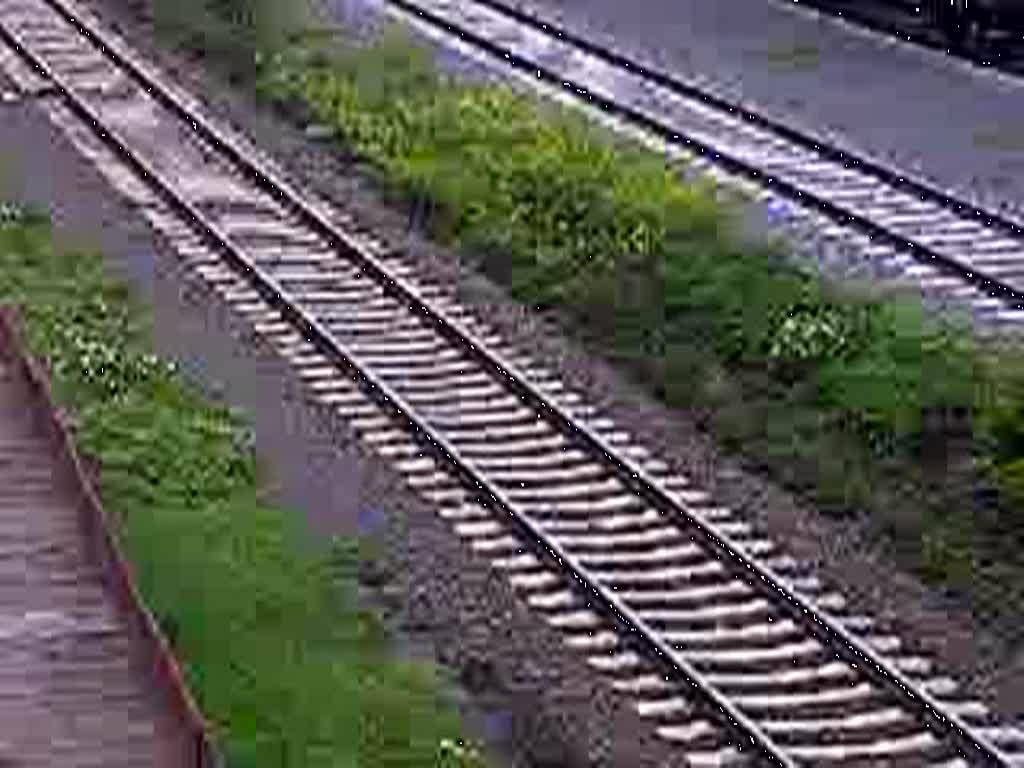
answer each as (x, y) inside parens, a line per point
(104, 545)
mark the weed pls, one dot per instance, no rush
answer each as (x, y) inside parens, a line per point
(810, 379)
(286, 668)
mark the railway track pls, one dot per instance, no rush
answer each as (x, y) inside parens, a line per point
(887, 224)
(736, 652)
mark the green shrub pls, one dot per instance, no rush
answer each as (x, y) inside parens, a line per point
(282, 663)
(788, 366)
(237, 31)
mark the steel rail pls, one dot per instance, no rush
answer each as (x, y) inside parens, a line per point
(733, 164)
(382, 393)
(821, 626)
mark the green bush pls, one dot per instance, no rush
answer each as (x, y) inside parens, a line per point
(831, 383)
(282, 663)
(810, 379)
(236, 31)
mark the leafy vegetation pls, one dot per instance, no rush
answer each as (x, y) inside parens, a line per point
(233, 31)
(858, 400)
(286, 667)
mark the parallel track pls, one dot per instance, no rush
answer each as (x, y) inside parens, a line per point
(895, 225)
(737, 653)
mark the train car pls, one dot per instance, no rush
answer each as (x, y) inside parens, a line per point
(963, 19)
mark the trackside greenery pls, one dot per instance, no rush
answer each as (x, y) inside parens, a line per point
(862, 401)
(287, 668)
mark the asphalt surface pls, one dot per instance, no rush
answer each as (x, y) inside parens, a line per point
(959, 127)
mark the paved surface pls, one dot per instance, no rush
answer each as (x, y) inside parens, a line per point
(71, 690)
(961, 128)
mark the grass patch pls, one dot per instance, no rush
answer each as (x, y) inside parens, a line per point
(799, 56)
(288, 670)
(861, 402)
(231, 31)
(1001, 139)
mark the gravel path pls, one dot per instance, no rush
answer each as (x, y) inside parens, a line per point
(989, 658)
